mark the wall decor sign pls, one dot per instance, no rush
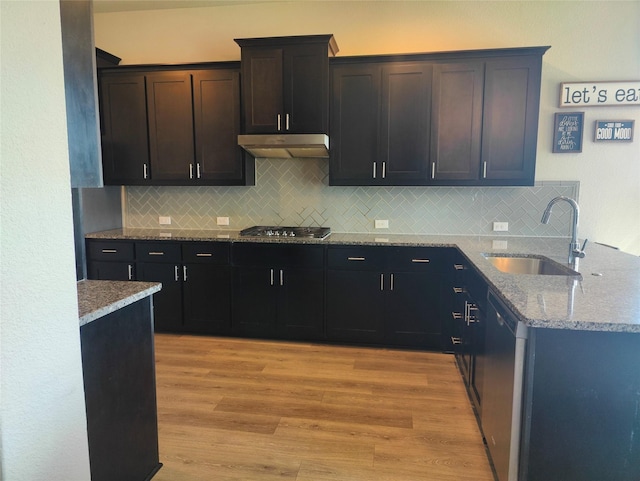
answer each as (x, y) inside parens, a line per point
(614, 131)
(567, 132)
(598, 94)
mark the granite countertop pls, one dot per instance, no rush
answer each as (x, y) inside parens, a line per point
(605, 297)
(99, 298)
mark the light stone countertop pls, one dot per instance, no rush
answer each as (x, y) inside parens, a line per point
(606, 297)
(99, 298)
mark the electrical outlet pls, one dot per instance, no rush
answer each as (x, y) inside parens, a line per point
(381, 224)
(222, 220)
(164, 220)
(499, 244)
(500, 227)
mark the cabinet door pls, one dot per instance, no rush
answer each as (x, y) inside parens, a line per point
(301, 306)
(125, 154)
(255, 301)
(405, 123)
(207, 298)
(355, 306)
(167, 304)
(510, 124)
(306, 89)
(216, 109)
(111, 271)
(171, 146)
(354, 124)
(262, 71)
(456, 121)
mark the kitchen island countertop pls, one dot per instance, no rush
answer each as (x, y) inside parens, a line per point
(96, 299)
(606, 297)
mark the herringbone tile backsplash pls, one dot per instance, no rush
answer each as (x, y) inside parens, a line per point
(296, 193)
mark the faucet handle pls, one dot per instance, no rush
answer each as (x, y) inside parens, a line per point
(584, 245)
(579, 251)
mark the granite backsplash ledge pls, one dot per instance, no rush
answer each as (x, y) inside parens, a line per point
(296, 192)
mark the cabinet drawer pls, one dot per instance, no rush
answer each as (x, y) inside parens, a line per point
(111, 250)
(158, 252)
(408, 259)
(205, 252)
(278, 255)
(357, 258)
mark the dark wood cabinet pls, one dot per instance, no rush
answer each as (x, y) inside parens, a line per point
(278, 290)
(111, 260)
(380, 123)
(173, 126)
(285, 83)
(125, 152)
(386, 295)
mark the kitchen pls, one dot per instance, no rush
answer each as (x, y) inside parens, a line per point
(604, 221)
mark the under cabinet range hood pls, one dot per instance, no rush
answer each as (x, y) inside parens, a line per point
(286, 146)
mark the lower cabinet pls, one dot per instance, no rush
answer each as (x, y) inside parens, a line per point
(278, 290)
(384, 295)
(111, 260)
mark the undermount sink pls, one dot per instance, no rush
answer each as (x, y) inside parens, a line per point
(529, 264)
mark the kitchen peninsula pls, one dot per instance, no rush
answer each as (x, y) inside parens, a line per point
(578, 394)
(118, 364)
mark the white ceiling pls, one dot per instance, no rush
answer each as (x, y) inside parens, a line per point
(110, 6)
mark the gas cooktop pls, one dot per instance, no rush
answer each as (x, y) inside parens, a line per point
(279, 231)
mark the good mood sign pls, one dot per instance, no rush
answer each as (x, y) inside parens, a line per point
(595, 94)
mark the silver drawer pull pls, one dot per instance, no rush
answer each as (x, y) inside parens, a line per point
(158, 253)
(204, 254)
(456, 340)
(356, 258)
(423, 261)
(109, 251)
(458, 267)
(458, 290)
(456, 315)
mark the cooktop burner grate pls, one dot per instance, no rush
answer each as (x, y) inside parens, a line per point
(280, 231)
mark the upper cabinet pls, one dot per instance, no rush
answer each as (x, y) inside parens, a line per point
(458, 118)
(285, 84)
(173, 127)
(380, 118)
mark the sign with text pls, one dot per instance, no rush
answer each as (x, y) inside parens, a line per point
(598, 94)
(567, 132)
(614, 130)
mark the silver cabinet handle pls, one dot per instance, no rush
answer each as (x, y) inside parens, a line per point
(191, 171)
(145, 172)
(109, 251)
(355, 258)
(176, 273)
(279, 122)
(458, 267)
(420, 261)
(184, 273)
(271, 276)
(456, 315)
(130, 271)
(433, 170)
(286, 121)
(156, 253)
(382, 282)
(391, 283)
(374, 170)
(484, 170)
(469, 307)
(204, 254)
(281, 277)
(384, 170)
(456, 340)
(198, 175)
(458, 290)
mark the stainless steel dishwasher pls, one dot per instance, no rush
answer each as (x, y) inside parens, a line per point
(505, 345)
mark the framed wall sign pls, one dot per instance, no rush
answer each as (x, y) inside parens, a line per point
(614, 131)
(599, 94)
(567, 132)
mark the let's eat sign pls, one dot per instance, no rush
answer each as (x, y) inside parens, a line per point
(596, 94)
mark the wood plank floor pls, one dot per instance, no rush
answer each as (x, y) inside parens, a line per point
(233, 409)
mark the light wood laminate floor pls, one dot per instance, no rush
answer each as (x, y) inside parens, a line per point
(233, 409)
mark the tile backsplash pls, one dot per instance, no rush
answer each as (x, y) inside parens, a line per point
(296, 193)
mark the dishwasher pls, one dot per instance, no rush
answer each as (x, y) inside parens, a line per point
(505, 345)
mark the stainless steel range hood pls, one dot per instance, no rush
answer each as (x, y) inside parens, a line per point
(286, 146)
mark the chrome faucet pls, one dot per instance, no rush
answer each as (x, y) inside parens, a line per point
(575, 251)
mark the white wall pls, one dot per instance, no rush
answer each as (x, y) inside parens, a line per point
(43, 430)
(589, 41)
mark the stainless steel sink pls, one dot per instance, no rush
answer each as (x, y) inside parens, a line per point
(529, 264)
